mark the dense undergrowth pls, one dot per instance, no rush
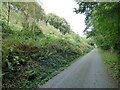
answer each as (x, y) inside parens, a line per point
(111, 60)
(33, 52)
(31, 58)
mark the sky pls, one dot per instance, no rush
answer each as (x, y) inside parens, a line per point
(64, 8)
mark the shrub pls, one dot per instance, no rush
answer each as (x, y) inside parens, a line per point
(6, 30)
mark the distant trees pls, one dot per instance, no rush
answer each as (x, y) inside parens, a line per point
(32, 12)
(33, 9)
(58, 22)
(104, 18)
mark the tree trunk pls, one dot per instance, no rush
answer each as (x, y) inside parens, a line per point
(26, 22)
(8, 12)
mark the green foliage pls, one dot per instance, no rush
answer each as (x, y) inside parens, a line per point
(33, 61)
(29, 12)
(58, 22)
(104, 20)
(34, 30)
(33, 54)
(28, 59)
(6, 30)
(85, 7)
(111, 60)
(32, 8)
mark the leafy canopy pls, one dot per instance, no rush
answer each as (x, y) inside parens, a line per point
(105, 23)
(58, 22)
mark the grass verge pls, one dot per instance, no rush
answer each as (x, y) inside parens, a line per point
(111, 60)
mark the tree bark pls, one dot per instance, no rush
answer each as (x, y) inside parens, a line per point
(8, 12)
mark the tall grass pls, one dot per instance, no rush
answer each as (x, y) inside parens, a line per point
(111, 60)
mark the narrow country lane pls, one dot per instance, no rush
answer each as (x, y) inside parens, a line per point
(88, 72)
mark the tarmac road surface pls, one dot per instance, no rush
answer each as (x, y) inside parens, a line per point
(88, 72)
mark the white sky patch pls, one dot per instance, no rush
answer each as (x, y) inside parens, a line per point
(64, 8)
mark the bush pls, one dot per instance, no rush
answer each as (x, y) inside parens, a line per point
(30, 58)
(6, 30)
(26, 62)
(111, 59)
